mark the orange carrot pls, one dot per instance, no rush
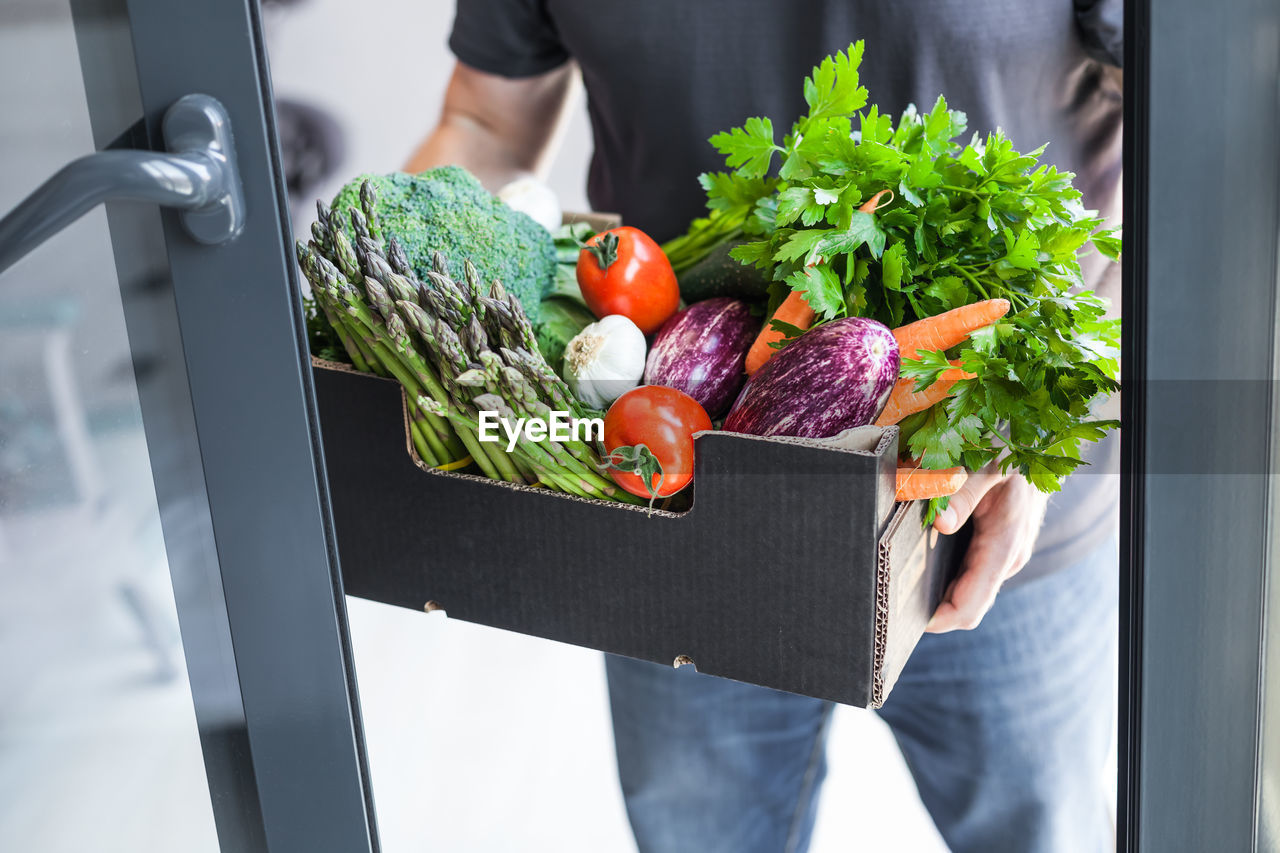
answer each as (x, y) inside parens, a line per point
(917, 484)
(872, 204)
(906, 400)
(793, 310)
(949, 328)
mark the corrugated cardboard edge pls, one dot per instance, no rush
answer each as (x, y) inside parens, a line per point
(887, 435)
(324, 364)
(342, 367)
(881, 642)
(597, 221)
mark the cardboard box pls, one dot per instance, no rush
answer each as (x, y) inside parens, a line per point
(792, 567)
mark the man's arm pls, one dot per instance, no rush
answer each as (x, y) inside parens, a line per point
(498, 128)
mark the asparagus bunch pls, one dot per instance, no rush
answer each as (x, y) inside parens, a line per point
(456, 346)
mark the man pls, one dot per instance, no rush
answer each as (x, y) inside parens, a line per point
(1005, 727)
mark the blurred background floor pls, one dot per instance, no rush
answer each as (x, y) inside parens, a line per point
(479, 740)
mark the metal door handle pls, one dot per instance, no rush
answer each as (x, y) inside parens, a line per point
(197, 174)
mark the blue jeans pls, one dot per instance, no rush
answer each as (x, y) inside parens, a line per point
(1006, 730)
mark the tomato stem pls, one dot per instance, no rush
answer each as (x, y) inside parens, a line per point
(605, 250)
(639, 460)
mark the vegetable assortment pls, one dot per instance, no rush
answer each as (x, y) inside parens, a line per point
(853, 272)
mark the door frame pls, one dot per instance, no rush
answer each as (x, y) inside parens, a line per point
(230, 419)
(1202, 222)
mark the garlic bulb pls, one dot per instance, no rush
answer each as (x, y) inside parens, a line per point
(605, 360)
(531, 196)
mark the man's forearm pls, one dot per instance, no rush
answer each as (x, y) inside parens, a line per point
(498, 129)
(460, 142)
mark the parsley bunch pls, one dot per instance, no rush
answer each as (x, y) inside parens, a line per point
(967, 222)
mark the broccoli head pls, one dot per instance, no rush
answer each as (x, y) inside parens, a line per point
(447, 210)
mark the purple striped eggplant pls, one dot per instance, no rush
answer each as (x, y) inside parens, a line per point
(702, 351)
(831, 378)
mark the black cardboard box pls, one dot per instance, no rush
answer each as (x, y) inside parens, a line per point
(792, 568)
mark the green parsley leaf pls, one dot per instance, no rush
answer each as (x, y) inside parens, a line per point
(1108, 244)
(801, 243)
(758, 253)
(1022, 250)
(892, 263)
(749, 148)
(833, 87)
(792, 202)
(951, 291)
(825, 196)
(862, 230)
(729, 190)
(821, 289)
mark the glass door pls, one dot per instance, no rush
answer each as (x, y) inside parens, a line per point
(160, 472)
(159, 468)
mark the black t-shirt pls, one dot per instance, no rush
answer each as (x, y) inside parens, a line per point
(664, 75)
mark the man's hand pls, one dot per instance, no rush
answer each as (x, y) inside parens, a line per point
(1007, 512)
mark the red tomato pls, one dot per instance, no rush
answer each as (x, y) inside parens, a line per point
(663, 420)
(622, 271)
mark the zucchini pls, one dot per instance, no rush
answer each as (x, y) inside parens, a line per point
(717, 274)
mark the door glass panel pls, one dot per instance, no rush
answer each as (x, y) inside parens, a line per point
(99, 748)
